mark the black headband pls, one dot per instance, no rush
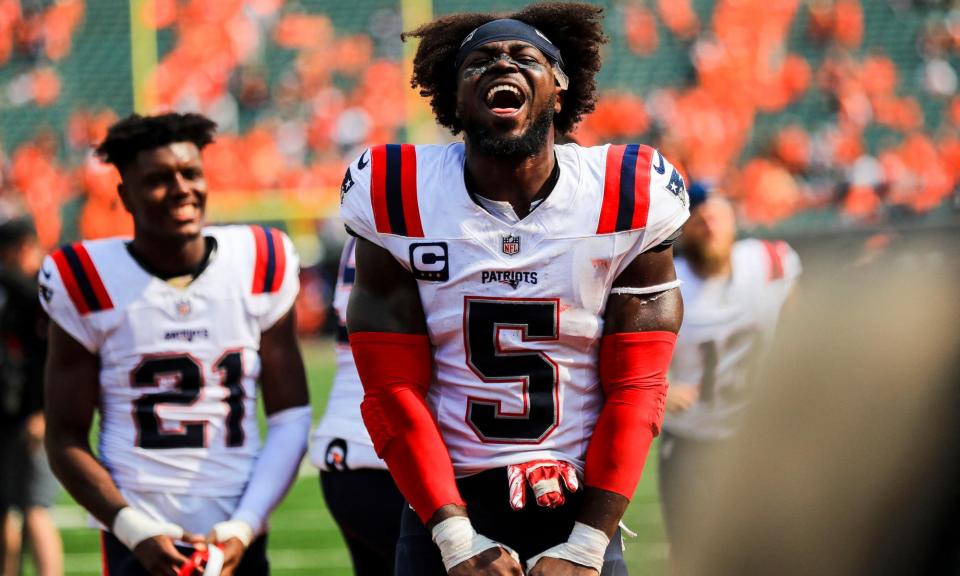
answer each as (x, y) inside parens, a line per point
(507, 29)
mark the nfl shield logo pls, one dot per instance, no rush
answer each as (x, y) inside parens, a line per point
(511, 245)
(183, 307)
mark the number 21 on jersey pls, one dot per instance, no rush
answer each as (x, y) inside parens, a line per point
(188, 377)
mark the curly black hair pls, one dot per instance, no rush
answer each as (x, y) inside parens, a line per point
(136, 133)
(574, 28)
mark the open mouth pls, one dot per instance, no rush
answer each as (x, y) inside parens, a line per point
(504, 99)
(186, 213)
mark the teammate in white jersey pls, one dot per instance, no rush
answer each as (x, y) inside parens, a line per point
(357, 487)
(733, 293)
(167, 334)
(515, 307)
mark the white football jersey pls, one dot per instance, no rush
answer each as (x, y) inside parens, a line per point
(179, 366)
(341, 441)
(514, 311)
(727, 325)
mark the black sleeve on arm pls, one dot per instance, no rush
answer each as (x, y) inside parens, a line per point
(669, 241)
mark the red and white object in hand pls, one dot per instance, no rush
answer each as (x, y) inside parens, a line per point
(544, 477)
(207, 561)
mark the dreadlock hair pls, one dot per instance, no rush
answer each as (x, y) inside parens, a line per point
(136, 133)
(574, 28)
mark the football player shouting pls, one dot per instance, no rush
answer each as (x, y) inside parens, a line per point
(515, 306)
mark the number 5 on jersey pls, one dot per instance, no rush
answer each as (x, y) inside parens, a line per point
(537, 320)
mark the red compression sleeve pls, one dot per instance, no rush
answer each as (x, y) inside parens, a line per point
(395, 372)
(633, 374)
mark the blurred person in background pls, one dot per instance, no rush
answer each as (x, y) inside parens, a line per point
(733, 293)
(515, 305)
(358, 489)
(26, 482)
(168, 336)
(845, 463)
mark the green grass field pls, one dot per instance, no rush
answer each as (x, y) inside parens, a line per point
(304, 539)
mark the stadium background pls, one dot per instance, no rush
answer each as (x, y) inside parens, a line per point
(826, 121)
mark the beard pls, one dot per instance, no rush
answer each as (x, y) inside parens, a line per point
(706, 258)
(490, 142)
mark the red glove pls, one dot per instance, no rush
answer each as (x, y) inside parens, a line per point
(544, 477)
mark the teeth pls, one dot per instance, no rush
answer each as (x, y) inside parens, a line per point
(501, 88)
(186, 211)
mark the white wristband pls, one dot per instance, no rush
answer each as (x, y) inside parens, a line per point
(233, 529)
(133, 527)
(458, 541)
(646, 289)
(586, 546)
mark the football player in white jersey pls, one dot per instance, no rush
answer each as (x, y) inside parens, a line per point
(167, 335)
(357, 487)
(733, 293)
(515, 305)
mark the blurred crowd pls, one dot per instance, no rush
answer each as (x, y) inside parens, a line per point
(296, 95)
(743, 70)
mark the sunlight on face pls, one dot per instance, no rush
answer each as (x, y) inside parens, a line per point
(711, 229)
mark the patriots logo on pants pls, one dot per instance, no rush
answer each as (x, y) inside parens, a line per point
(336, 457)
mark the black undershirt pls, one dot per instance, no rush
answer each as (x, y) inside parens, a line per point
(210, 247)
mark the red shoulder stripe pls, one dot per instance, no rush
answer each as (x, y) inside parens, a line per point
(260, 265)
(393, 190)
(641, 188)
(103, 298)
(611, 190)
(280, 255)
(776, 260)
(378, 188)
(81, 279)
(70, 282)
(408, 187)
(271, 260)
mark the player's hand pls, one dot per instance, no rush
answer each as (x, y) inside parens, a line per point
(582, 554)
(233, 550)
(544, 477)
(490, 562)
(680, 397)
(548, 566)
(233, 537)
(160, 557)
